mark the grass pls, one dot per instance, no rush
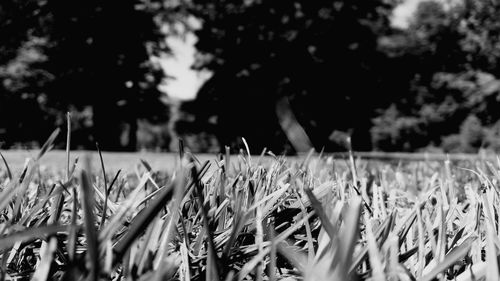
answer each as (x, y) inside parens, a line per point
(126, 161)
(249, 218)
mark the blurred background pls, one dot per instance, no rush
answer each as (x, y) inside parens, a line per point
(287, 75)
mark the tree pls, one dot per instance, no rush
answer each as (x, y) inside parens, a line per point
(321, 55)
(23, 113)
(93, 54)
(450, 63)
(101, 57)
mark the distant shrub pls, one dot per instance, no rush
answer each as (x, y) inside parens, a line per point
(492, 137)
(201, 142)
(393, 132)
(452, 143)
(470, 138)
(154, 137)
(340, 138)
(472, 134)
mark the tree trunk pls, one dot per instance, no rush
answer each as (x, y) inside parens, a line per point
(107, 126)
(132, 135)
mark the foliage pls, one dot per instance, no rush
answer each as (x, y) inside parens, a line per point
(321, 55)
(22, 78)
(344, 69)
(339, 67)
(65, 56)
(452, 79)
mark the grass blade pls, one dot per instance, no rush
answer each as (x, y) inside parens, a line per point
(106, 193)
(451, 258)
(30, 234)
(141, 222)
(348, 236)
(87, 194)
(330, 229)
(48, 144)
(46, 256)
(9, 173)
(68, 145)
(212, 272)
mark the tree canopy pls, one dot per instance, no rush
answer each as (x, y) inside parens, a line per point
(286, 74)
(321, 55)
(452, 56)
(77, 54)
(346, 71)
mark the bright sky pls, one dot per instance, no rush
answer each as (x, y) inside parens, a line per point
(187, 81)
(403, 13)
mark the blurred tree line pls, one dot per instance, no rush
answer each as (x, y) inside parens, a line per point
(92, 58)
(286, 74)
(450, 94)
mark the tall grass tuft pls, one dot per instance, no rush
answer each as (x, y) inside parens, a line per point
(250, 217)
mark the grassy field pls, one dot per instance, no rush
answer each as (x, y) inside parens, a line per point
(56, 159)
(247, 218)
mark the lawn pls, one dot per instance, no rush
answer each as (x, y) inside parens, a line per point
(127, 161)
(245, 218)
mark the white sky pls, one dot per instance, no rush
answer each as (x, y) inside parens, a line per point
(403, 13)
(187, 81)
